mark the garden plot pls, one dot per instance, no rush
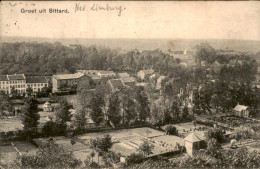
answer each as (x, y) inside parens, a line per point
(25, 148)
(8, 155)
(64, 142)
(125, 134)
(186, 128)
(12, 124)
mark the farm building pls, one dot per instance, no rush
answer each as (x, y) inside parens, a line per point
(145, 74)
(241, 110)
(47, 107)
(193, 142)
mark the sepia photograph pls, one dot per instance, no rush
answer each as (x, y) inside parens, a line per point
(129, 84)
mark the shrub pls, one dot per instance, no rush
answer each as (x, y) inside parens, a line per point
(171, 130)
(134, 159)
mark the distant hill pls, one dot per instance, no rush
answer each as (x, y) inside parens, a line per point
(149, 44)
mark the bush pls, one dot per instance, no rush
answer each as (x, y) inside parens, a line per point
(171, 130)
(217, 134)
(134, 159)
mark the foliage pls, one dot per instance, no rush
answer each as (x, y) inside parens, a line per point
(79, 121)
(5, 103)
(62, 112)
(146, 148)
(114, 111)
(241, 158)
(171, 130)
(50, 155)
(29, 90)
(213, 148)
(102, 144)
(134, 159)
(30, 117)
(95, 106)
(143, 108)
(215, 133)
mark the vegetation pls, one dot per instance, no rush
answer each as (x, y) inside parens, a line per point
(171, 130)
(50, 155)
(30, 117)
(102, 144)
(215, 133)
(146, 148)
(5, 104)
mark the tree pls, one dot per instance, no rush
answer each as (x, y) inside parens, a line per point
(213, 148)
(49, 129)
(114, 113)
(62, 112)
(29, 90)
(30, 116)
(79, 121)
(171, 130)
(146, 148)
(5, 103)
(13, 92)
(50, 155)
(102, 144)
(143, 109)
(96, 112)
(215, 133)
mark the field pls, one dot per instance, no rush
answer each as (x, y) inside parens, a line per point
(11, 124)
(128, 141)
(7, 155)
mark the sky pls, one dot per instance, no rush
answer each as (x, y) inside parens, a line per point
(171, 20)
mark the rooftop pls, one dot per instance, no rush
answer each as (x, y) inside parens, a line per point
(16, 77)
(3, 78)
(193, 137)
(239, 108)
(128, 79)
(123, 74)
(68, 76)
(148, 71)
(36, 79)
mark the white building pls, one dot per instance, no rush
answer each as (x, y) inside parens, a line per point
(36, 83)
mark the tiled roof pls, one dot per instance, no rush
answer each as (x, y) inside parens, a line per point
(3, 78)
(16, 77)
(68, 76)
(36, 79)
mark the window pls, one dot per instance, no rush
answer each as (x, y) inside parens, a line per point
(41, 84)
(6, 83)
(3, 82)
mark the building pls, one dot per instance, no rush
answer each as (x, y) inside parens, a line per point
(159, 82)
(4, 84)
(215, 67)
(130, 81)
(241, 110)
(122, 75)
(36, 83)
(106, 74)
(145, 74)
(65, 82)
(17, 82)
(193, 142)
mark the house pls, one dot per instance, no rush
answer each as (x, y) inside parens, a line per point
(47, 107)
(122, 75)
(17, 82)
(193, 142)
(215, 67)
(4, 84)
(115, 84)
(93, 74)
(241, 110)
(145, 74)
(106, 74)
(36, 83)
(130, 81)
(65, 82)
(159, 82)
